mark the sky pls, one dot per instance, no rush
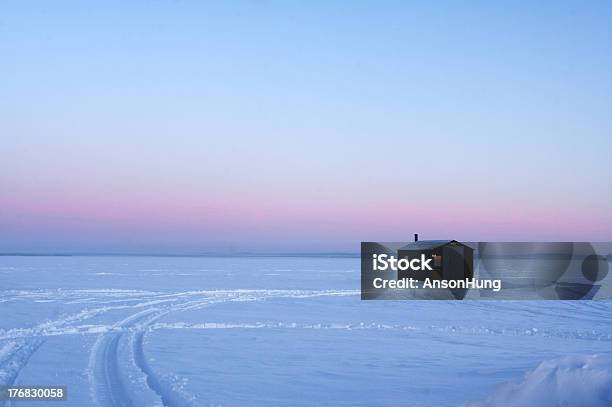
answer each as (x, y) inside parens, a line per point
(264, 126)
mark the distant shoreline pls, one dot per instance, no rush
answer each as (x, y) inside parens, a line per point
(329, 255)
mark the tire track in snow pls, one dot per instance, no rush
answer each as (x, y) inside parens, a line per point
(23, 343)
(117, 397)
(107, 381)
(107, 384)
(165, 391)
(104, 362)
(168, 394)
(20, 344)
(16, 356)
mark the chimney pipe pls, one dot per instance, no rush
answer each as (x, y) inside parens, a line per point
(416, 237)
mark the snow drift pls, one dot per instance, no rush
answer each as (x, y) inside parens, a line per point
(584, 380)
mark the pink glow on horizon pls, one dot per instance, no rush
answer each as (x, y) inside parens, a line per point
(317, 224)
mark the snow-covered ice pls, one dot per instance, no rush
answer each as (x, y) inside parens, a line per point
(181, 331)
(568, 381)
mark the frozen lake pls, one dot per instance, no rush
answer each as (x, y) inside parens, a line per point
(181, 331)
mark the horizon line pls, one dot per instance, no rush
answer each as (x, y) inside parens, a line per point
(205, 254)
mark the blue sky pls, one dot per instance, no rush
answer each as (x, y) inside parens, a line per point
(185, 126)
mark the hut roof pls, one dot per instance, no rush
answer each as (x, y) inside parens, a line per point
(427, 244)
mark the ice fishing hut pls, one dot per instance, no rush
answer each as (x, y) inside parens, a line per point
(452, 260)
